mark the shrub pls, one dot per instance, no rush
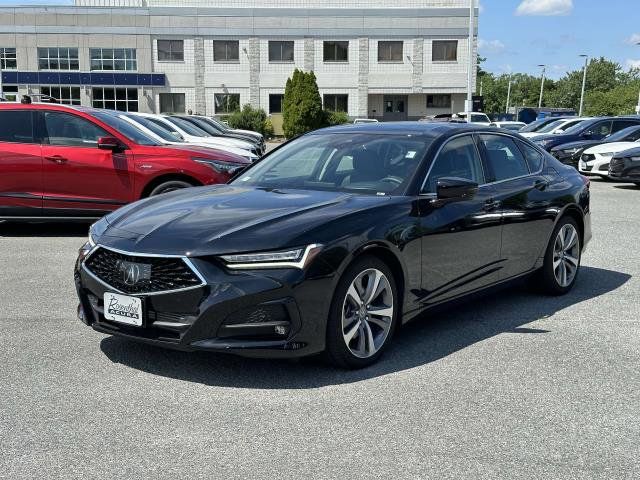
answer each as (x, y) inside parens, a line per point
(302, 105)
(336, 118)
(249, 118)
(267, 128)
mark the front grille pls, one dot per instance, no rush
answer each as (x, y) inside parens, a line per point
(165, 273)
(616, 165)
(587, 157)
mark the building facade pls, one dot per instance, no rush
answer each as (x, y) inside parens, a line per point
(370, 59)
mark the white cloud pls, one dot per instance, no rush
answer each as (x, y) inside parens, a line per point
(634, 39)
(490, 46)
(632, 63)
(545, 7)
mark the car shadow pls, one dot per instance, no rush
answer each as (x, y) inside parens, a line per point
(628, 187)
(418, 343)
(44, 229)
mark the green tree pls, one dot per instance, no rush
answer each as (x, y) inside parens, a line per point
(302, 105)
(250, 118)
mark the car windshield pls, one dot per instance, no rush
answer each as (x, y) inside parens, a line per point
(550, 126)
(188, 127)
(363, 162)
(218, 124)
(536, 125)
(580, 126)
(629, 134)
(514, 127)
(210, 129)
(163, 133)
(125, 128)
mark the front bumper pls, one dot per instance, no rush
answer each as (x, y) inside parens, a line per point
(598, 166)
(262, 313)
(625, 170)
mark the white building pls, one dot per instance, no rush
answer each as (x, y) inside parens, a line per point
(373, 60)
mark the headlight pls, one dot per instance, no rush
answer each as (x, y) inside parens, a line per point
(635, 159)
(91, 241)
(570, 151)
(291, 258)
(542, 143)
(607, 154)
(219, 166)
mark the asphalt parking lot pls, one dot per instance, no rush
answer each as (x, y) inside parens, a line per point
(513, 386)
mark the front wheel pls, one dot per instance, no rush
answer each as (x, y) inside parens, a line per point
(562, 258)
(363, 314)
(169, 186)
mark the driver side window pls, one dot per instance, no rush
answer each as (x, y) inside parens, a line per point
(458, 158)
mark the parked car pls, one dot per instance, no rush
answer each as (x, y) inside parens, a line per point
(593, 129)
(191, 134)
(165, 137)
(595, 160)
(509, 125)
(59, 161)
(211, 129)
(559, 126)
(570, 153)
(332, 241)
(365, 120)
(224, 126)
(625, 166)
(476, 117)
(539, 124)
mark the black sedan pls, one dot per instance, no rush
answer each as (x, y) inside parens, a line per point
(333, 240)
(570, 153)
(625, 166)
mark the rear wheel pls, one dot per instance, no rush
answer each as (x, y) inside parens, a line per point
(169, 186)
(363, 314)
(562, 258)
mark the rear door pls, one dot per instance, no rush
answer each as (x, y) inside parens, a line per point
(20, 164)
(77, 175)
(515, 170)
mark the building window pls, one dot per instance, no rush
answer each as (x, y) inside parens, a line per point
(172, 103)
(171, 50)
(390, 51)
(65, 95)
(227, 102)
(113, 59)
(226, 51)
(281, 51)
(444, 51)
(58, 58)
(336, 103)
(10, 92)
(275, 102)
(123, 99)
(8, 59)
(439, 101)
(336, 51)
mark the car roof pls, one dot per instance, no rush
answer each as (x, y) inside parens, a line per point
(429, 129)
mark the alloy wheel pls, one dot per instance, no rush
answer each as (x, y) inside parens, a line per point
(367, 313)
(566, 255)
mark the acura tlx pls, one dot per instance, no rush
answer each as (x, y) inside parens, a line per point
(333, 240)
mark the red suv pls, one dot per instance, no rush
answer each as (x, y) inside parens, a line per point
(73, 162)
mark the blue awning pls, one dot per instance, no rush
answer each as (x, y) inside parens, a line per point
(84, 78)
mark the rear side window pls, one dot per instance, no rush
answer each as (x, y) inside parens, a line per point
(16, 126)
(504, 158)
(533, 157)
(71, 130)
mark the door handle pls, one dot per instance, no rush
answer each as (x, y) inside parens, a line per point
(491, 205)
(56, 159)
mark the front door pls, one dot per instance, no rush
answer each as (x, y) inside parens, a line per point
(77, 175)
(395, 108)
(20, 165)
(460, 238)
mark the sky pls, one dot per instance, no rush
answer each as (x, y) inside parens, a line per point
(518, 35)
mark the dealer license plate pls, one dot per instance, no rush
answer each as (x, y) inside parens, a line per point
(123, 309)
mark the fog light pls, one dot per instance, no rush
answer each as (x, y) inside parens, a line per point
(280, 329)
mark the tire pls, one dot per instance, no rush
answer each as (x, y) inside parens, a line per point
(637, 184)
(561, 257)
(169, 186)
(370, 333)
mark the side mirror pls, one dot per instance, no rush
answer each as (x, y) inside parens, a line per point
(454, 188)
(109, 143)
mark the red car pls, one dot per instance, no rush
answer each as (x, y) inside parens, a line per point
(58, 161)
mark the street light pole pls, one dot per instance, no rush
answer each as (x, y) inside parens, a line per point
(508, 95)
(469, 106)
(541, 85)
(638, 106)
(584, 82)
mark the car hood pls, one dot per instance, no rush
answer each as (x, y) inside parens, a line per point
(612, 147)
(631, 152)
(209, 151)
(578, 144)
(227, 218)
(247, 132)
(225, 141)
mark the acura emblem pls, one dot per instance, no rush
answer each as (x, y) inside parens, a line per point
(131, 273)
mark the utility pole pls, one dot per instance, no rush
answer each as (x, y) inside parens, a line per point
(469, 104)
(584, 82)
(508, 95)
(541, 85)
(638, 106)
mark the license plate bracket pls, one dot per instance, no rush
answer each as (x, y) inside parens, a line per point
(123, 309)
